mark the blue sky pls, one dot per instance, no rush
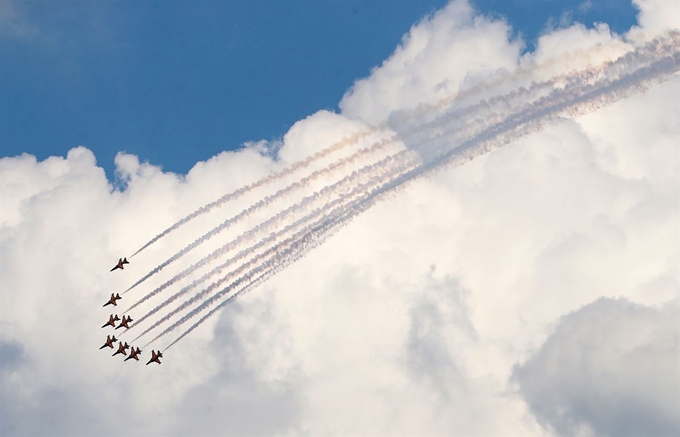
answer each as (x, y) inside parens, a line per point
(178, 82)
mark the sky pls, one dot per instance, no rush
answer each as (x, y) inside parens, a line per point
(529, 286)
(178, 82)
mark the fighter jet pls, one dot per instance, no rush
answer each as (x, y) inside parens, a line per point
(124, 322)
(134, 354)
(112, 321)
(113, 300)
(120, 264)
(121, 349)
(155, 357)
(109, 342)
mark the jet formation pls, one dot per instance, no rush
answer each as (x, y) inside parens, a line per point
(125, 321)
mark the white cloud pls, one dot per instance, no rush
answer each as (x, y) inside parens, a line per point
(408, 322)
(658, 15)
(435, 58)
(610, 368)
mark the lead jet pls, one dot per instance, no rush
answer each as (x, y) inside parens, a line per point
(124, 322)
(120, 264)
(121, 349)
(134, 354)
(112, 321)
(155, 357)
(113, 300)
(109, 342)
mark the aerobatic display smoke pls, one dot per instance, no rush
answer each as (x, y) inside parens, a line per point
(450, 138)
(262, 243)
(353, 139)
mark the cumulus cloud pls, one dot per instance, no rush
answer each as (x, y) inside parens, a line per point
(434, 58)
(412, 320)
(610, 368)
(658, 15)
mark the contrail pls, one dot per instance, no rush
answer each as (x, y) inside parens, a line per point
(273, 222)
(484, 108)
(255, 261)
(399, 162)
(614, 85)
(457, 116)
(353, 139)
(266, 202)
(523, 71)
(406, 162)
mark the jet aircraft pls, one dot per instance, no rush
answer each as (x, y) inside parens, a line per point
(155, 357)
(109, 342)
(121, 349)
(120, 264)
(134, 354)
(124, 322)
(112, 321)
(113, 300)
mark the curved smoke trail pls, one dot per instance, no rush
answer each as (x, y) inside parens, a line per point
(399, 117)
(615, 83)
(486, 108)
(386, 164)
(265, 180)
(275, 221)
(337, 204)
(400, 160)
(266, 202)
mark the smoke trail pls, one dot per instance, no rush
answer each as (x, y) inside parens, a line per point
(255, 261)
(583, 77)
(265, 180)
(523, 71)
(408, 163)
(266, 202)
(458, 116)
(484, 108)
(565, 102)
(400, 117)
(397, 162)
(275, 221)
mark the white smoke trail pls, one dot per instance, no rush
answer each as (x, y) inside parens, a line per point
(387, 164)
(265, 180)
(583, 77)
(322, 195)
(487, 109)
(336, 206)
(615, 83)
(522, 71)
(401, 117)
(402, 165)
(581, 55)
(268, 200)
